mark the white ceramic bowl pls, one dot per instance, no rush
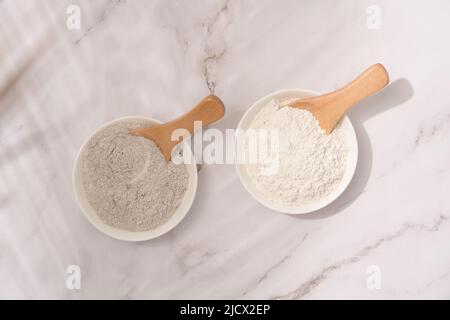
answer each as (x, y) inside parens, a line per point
(90, 214)
(350, 139)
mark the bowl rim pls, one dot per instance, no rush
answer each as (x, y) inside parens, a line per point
(312, 206)
(133, 236)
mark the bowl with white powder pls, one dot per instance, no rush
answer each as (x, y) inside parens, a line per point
(125, 187)
(291, 165)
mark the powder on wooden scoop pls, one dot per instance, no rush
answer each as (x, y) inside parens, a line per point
(127, 181)
(311, 162)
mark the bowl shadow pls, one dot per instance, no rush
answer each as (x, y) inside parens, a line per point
(393, 95)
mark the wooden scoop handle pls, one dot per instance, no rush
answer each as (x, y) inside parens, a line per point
(207, 111)
(329, 108)
(366, 84)
(334, 105)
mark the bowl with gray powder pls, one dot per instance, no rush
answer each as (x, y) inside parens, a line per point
(125, 187)
(291, 165)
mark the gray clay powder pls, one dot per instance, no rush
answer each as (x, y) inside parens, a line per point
(128, 182)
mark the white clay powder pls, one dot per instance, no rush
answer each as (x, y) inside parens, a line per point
(310, 163)
(127, 180)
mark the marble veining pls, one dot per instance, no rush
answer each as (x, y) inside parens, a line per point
(214, 53)
(309, 285)
(108, 8)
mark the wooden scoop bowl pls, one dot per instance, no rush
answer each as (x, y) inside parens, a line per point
(329, 108)
(209, 110)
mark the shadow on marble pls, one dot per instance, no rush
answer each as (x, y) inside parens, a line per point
(36, 139)
(4, 201)
(395, 94)
(7, 88)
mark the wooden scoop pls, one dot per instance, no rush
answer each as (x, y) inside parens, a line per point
(329, 108)
(209, 110)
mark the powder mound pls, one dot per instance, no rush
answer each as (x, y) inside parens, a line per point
(310, 163)
(128, 182)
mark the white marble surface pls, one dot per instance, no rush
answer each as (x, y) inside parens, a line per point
(155, 58)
